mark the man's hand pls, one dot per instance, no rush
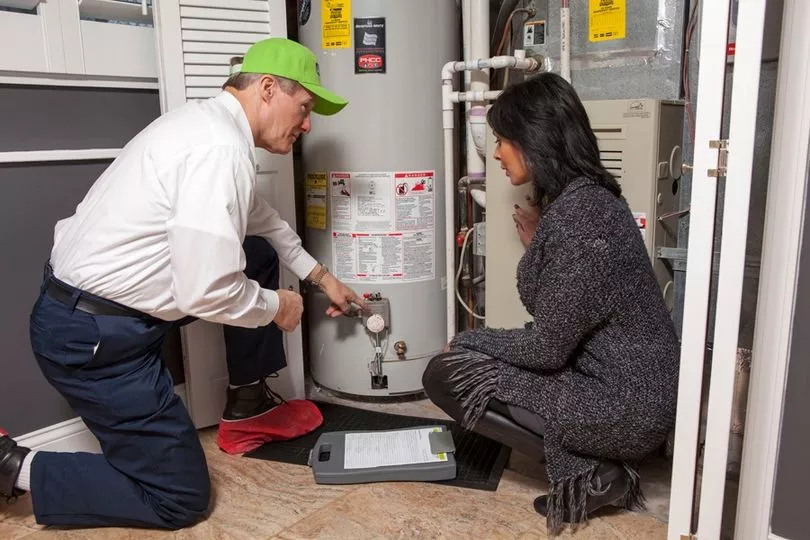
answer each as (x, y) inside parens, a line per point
(526, 222)
(341, 297)
(290, 309)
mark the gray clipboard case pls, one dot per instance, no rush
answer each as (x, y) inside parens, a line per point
(326, 461)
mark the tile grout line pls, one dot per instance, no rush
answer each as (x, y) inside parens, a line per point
(350, 491)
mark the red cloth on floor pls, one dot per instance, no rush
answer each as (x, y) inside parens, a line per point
(287, 421)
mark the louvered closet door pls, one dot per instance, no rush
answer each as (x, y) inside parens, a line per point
(212, 32)
(196, 40)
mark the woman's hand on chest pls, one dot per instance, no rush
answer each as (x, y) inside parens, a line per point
(526, 220)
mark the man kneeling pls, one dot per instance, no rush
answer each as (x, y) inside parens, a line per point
(174, 231)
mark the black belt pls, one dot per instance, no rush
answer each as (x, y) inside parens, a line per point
(87, 303)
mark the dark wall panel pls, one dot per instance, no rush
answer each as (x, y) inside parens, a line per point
(69, 118)
(35, 197)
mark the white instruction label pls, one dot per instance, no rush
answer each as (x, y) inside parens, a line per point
(362, 201)
(383, 226)
(414, 200)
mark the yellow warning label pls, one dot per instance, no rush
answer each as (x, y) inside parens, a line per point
(316, 201)
(336, 27)
(607, 20)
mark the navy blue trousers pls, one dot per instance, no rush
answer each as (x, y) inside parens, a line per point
(153, 472)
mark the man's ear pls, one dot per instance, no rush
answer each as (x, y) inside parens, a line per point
(267, 87)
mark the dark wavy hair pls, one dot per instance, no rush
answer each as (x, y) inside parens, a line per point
(544, 118)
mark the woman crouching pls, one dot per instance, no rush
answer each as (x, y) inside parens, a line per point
(595, 374)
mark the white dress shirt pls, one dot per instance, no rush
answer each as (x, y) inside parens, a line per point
(162, 229)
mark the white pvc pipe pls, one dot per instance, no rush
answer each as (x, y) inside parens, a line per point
(479, 196)
(519, 61)
(479, 82)
(478, 127)
(463, 97)
(450, 207)
(466, 33)
(565, 42)
(479, 41)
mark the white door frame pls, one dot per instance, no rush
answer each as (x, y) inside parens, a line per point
(709, 115)
(784, 220)
(741, 138)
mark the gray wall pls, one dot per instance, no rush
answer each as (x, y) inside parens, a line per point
(34, 197)
(789, 519)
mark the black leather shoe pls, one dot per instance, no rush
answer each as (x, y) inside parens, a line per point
(610, 481)
(250, 401)
(11, 460)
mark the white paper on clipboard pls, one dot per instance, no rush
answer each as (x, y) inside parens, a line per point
(390, 448)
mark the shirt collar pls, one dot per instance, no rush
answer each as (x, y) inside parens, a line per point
(233, 106)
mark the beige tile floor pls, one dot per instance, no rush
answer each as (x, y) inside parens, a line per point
(257, 500)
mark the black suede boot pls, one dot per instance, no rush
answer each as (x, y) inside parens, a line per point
(11, 460)
(611, 484)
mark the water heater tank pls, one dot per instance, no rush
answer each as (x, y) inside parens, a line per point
(375, 188)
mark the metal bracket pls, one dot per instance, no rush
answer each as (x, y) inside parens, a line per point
(676, 259)
(480, 237)
(722, 157)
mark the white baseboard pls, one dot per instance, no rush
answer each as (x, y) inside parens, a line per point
(71, 435)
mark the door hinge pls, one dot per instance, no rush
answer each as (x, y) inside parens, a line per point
(721, 146)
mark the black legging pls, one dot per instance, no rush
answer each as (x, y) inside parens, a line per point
(514, 426)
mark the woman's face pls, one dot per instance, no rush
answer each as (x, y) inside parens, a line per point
(511, 161)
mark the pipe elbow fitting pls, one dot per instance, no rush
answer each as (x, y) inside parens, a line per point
(478, 128)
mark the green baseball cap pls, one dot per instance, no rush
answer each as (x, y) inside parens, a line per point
(289, 59)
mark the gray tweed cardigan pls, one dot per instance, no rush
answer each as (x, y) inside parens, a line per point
(600, 360)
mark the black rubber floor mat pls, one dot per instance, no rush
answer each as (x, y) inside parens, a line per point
(479, 461)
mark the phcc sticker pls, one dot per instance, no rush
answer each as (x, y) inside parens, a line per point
(369, 45)
(369, 62)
